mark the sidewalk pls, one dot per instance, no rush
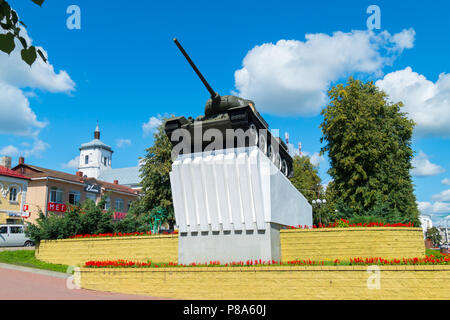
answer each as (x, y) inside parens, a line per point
(20, 283)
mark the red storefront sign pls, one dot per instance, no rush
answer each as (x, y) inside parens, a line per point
(119, 215)
(56, 207)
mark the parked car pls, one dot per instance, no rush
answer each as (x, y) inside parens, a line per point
(14, 236)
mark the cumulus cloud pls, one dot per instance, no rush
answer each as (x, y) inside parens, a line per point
(150, 126)
(37, 149)
(17, 84)
(446, 182)
(423, 166)
(72, 164)
(122, 143)
(16, 116)
(426, 102)
(9, 151)
(443, 196)
(434, 208)
(292, 77)
(41, 75)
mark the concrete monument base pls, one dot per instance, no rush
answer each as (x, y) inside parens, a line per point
(230, 205)
(229, 246)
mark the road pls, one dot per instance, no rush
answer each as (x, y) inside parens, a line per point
(20, 285)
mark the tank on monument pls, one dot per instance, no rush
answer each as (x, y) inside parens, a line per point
(223, 113)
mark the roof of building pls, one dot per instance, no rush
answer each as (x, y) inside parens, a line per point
(11, 173)
(96, 143)
(125, 176)
(36, 172)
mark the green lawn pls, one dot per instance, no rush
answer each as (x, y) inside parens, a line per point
(26, 258)
(435, 253)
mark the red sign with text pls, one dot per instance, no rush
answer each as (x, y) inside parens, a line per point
(56, 207)
(119, 215)
(25, 207)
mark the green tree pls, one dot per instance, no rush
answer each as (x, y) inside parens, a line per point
(156, 190)
(368, 141)
(306, 179)
(435, 236)
(10, 23)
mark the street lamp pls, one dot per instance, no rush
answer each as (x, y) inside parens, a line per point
(318, 203)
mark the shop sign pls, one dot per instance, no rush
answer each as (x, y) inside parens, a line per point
(94, 188)
(56, 207)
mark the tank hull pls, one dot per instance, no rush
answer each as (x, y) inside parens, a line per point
(236, 127)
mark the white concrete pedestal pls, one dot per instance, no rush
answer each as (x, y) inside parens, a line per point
(230, 205)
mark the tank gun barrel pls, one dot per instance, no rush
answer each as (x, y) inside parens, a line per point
(213, 94)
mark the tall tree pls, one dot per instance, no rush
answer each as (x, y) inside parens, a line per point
(306, 179)
(368, 141)
(155, 176)
(11, 25)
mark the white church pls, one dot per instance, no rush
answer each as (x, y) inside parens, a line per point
(96, 162)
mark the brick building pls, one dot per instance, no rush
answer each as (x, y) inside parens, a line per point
(51, 191)
(13, 193)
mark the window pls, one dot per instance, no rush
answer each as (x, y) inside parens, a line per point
(3, 230)
(91, 196)
(129, 205)
(119, 205)
(105, 161)
(16, 230)
(74, 197)
(86, 160)
(107, 205)
(13, 194)
(56, 195)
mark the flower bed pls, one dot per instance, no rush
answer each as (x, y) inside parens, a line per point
(346, 224)
(429, 260)
(119, 234)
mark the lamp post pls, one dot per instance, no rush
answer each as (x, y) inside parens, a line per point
(318, 203)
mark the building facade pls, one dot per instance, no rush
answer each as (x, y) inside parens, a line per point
(13, 193)
(51, 191)
(96, 162)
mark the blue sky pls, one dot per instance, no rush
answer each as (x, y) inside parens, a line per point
(122, 68)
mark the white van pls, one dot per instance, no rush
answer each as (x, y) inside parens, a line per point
(14, 236)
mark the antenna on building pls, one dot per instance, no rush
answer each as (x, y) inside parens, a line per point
(300, 149)
(286, 136)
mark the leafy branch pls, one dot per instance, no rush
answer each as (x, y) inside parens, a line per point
(10, 23)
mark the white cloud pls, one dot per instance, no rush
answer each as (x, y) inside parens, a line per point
(9, 151)
(423, 167)
(72, 164)
(427, 103)
(292, 77)
(16, 79)
(37, 149)
(41, 75)
(446, 182)
(16, 116)
(315, 158)
(122, 143)
(434, 208)
(443, 196)
(150, 126)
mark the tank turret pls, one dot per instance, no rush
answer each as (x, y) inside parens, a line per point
(229, 114)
